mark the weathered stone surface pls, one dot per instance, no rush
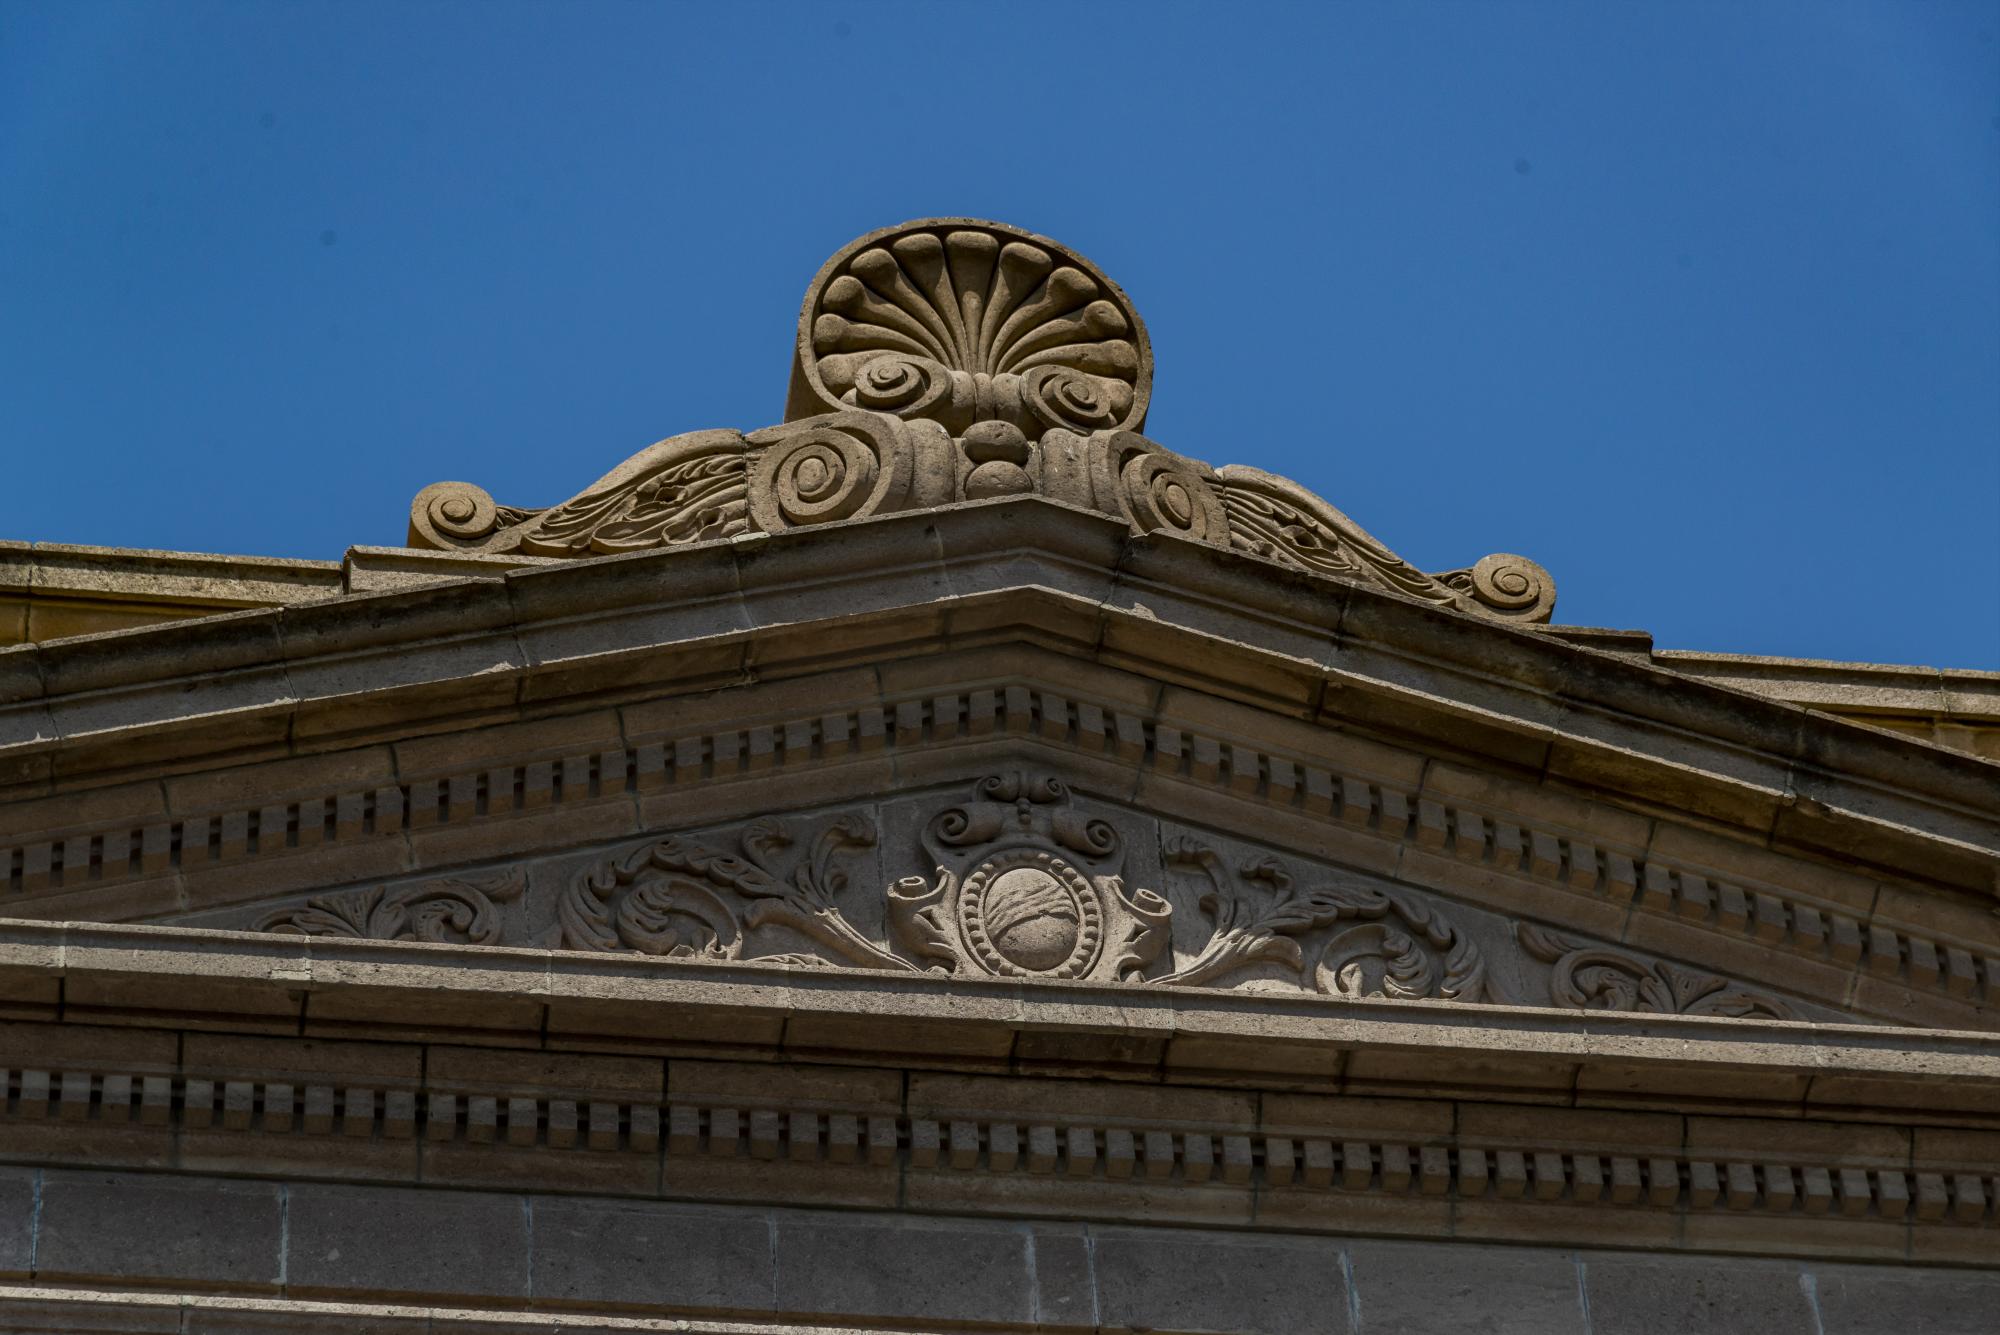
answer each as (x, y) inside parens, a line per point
(124, 1228)
(1221, 1282)
(1853, 1300)
(406, 1244)
(1428, 1289)
(918, 1270)
(18, 1187)
(597, 1255)
(1673, 1296)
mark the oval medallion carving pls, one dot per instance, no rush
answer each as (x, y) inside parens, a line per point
(1028, 913)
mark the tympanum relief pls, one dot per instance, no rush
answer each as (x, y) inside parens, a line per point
(952, 360)
(1016, 876)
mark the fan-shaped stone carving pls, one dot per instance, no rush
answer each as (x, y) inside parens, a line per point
(962, 321)
(951, 360)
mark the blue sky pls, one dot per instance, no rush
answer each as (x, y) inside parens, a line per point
(1698, 305)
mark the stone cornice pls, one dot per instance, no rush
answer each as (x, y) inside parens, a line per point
(538, 641)
(427, 805)
(93, 974)
(185, 1053)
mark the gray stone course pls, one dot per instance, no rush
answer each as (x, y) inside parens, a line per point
(306, 1256)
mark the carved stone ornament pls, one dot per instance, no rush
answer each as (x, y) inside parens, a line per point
(1364, 942)
(1025, 883)
(951, 360)
(686, 901)
(450, 911)
(1027, 887)
(1598, 978)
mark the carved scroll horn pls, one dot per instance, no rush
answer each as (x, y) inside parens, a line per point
(446, 515)
(1506, 585)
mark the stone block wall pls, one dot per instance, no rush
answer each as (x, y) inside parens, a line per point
(201, 1253)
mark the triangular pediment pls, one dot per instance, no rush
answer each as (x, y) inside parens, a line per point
(1003, 862)
(714, 705)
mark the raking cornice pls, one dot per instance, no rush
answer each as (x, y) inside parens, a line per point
(554, 638)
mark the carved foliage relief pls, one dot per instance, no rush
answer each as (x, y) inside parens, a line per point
(952, 360)
(1016, 877)
(1348, 940)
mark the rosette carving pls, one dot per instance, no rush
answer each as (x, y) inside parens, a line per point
(1277, 519)
(1589, 977)
(960, 321)
(1386, 943)
(453, 911)
(846, 465)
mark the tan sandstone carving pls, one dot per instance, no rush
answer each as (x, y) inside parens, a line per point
(1384, 943)
(444, 912)
(1026, 883)
(1026, 886)
(686, 901)
(1593, 977)
(951, 360)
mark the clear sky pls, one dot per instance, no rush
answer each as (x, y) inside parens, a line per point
(1698, 305)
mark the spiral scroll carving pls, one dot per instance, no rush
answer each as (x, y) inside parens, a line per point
(1277, 519)
(1589, 977)
(447, 515)
(1163, 492)
(1507, 585)
(840, 466)
(959, 321)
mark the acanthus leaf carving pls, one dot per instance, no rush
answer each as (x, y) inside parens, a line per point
(1591, 977)
(687, 488)
(806, 902)
(1396, 945)
(950, 360)
(1275, 518)
(448, 911)
(684, 900)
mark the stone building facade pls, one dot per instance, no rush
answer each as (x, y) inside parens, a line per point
(949, 862)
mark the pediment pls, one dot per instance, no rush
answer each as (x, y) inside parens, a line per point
(1018, 874)
(713, 706)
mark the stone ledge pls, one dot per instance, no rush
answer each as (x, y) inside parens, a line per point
(474, 652)
(51, 590)
(1883, 949)
(405, 991)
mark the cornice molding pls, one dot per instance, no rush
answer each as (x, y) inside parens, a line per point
(1567, 866)
(536, 641)
(140, 977)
